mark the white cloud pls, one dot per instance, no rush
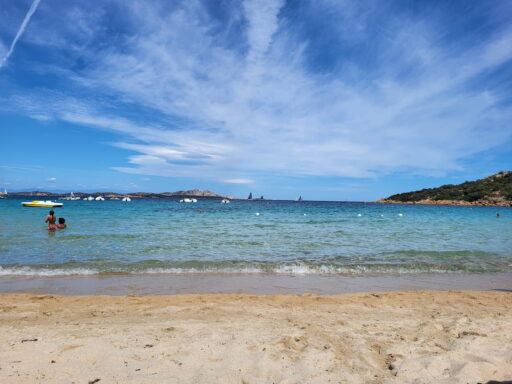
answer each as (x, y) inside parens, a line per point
(224, 111)
(24, 24)
(263, 23)
(238, 181)
(52, 179)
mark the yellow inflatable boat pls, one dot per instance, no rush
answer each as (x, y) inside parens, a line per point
(40, 203)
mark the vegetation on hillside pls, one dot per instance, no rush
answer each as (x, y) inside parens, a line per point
(496, 187)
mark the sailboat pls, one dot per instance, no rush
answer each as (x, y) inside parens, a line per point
(71, 197)
(250, 196)
(299, 198)
(3, 195)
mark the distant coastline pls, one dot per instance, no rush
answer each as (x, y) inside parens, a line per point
(192, 193)
(146, 195)
(492, 191)
(449, 202)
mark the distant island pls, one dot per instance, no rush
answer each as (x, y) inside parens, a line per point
(147, 195)
(494, 190)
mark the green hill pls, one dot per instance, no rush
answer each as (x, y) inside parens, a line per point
(492, 190)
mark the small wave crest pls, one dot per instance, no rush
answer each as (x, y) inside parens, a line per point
(283, 269)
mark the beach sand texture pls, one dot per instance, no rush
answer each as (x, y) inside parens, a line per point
(397, 337)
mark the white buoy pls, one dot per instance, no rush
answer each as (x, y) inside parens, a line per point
(400, 214)
(359, 215)
(381, 215)
(305, 214)
(257, 213)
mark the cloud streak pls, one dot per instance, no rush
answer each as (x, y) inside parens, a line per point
(265, 88)
(238, 181)
(22, 28)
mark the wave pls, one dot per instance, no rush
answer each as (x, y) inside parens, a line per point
(86, 269)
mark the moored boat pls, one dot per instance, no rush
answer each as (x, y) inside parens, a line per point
(71, 197)
(187, 200)
(42, 203)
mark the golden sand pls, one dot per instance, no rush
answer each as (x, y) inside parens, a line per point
(397, 337)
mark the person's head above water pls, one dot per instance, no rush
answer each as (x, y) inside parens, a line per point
(52, 213)
(62, 220)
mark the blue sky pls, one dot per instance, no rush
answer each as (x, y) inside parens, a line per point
(328, 99)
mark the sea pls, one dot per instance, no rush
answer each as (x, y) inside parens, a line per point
(164, 236)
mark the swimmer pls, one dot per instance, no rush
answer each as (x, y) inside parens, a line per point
(62, 223)
(51, 219)
(498, 215)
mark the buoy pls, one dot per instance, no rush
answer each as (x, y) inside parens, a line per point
(359, 215)
(400, 214)
(305, 214)
(257, 213)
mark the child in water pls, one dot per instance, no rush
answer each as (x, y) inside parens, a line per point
(51, 219)
(62, 223)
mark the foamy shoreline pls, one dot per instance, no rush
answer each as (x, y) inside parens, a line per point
(394, 337)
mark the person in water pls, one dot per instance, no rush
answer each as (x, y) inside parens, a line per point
(51, 219)
(62, 223)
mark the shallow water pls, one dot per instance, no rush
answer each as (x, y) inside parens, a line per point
(165, 236)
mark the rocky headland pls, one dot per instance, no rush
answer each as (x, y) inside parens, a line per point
(492, 191)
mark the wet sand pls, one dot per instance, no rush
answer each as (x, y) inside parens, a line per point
(393, 337)
(166, 284)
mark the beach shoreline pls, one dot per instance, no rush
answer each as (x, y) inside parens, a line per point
(385, 337)
(249, 283)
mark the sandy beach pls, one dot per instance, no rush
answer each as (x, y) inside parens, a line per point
(393, 337)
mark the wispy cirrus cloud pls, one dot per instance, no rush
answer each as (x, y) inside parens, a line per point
(238, 181)
(23, 25)
(324, 89)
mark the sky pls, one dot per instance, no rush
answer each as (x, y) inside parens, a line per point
(328, 99)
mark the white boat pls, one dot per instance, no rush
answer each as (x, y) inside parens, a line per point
(187, 200)
(126, 199)
(90, 198)
(71, 197)
(99, 198)
(225, 201)
(41, 203)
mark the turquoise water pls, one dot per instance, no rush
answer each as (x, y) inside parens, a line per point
(166, 236)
